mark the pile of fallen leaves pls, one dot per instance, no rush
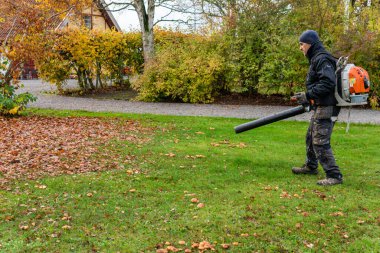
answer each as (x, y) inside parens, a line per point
(34, 147)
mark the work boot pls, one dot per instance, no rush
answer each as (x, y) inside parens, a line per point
(330, 181)
(304, 170)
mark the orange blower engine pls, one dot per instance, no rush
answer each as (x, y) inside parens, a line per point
(352, 85)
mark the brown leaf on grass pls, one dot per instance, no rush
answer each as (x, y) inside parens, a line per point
(194, 245)
(194, 200)
(337, 214)
(201, 205)
(35, 147)
(320, 195)
(308, 244)
(9, 218)
(24, 227)
(194, 156)
(360, 221)
(225, 245)
(172, 249)
(285, 195)
(205, 245)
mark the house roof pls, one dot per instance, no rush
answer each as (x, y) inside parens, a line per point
(107, 13)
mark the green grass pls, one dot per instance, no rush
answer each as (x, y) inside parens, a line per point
(244, 181)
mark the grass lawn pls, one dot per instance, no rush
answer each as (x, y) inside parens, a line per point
(194, 185)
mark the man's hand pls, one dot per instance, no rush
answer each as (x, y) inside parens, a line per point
(301, 98)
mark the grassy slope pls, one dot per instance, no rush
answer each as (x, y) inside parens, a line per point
(244, 181)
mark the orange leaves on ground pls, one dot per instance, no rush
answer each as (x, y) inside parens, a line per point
(34, 147)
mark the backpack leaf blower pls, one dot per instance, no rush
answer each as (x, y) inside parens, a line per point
(352, 88)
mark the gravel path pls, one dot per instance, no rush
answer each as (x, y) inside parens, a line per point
(46, 100)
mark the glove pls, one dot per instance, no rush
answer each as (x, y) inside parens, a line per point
(301, 98)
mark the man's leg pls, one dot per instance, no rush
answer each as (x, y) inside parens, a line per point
(311, 157)
(311, 163)
(322, 131)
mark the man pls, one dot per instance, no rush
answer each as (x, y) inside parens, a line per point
(320, 87)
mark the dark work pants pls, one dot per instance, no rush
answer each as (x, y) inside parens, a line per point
(318, 148)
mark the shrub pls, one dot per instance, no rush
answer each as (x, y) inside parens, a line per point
(192, 71)
(10, 102)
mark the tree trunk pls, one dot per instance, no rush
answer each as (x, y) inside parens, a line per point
(146, 20)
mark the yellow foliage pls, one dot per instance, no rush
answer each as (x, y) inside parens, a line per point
(14, 110)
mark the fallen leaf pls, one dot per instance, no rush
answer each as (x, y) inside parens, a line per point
(194, 200)
(309, 245)
(201, 205)
(194, 245)
(337, 214)
(225, 246)
(172, 249)
(205, 245)
(24, 227)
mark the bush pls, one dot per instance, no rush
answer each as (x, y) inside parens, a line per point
(92, 55)
(10, 102)
(192, 71)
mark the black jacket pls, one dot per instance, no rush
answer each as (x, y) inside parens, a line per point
(321, 78)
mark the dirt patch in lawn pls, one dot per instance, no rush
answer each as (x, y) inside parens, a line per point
(36, 146)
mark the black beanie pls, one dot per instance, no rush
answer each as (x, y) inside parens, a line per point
(309, 37)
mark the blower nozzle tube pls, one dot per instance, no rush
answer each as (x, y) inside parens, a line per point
(270, 119)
